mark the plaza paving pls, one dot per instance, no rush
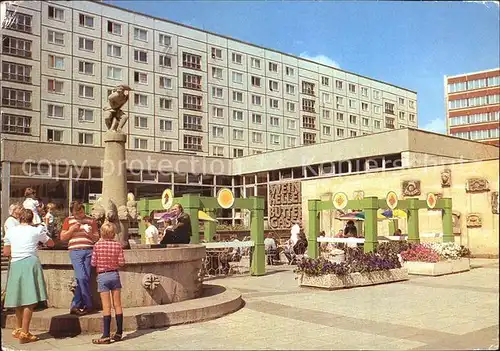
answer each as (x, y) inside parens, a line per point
(455, 312)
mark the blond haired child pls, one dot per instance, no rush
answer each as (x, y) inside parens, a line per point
(108, 257)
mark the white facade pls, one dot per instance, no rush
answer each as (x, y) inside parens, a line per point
(193, 91)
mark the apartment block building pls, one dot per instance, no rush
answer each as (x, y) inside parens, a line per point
(473, 106)
(193, 91)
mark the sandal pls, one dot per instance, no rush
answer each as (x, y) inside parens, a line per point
(25, 338)
(117, 337)
(16, 332)
(102, 341)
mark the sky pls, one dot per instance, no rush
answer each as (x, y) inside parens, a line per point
(408, 44)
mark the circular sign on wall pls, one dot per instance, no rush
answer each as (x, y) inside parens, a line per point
(225, 198)
(340, 201)
(167, 199)
(392, 200)
(431, 200)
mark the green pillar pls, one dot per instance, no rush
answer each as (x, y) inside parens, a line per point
(392, 226)
(447, 221)
(413, 228)
(312, 235)
(370, 206)
(209, 227)
(257, 234)
(191, 204)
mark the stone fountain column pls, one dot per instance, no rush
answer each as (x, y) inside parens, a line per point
(114, 184)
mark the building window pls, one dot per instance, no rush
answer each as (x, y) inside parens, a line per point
(55, 111)
(218, 112)
(353, 133)
(291, 141)
(364, 106)
(401, 115)
(309, 138)
(411, 117)
(140, 34)
(16, 47)
(308, 105)
(85, 115)
(340, 117)
(192, 122)
(256, 100)
(166, 82)
(141, 78)
(165, 61)
(86, 91)
(192, 143)
(376, 124)
(236, 58)
(85, 44)
(327, 130)
(114, 28)
(352, 88)
(376, 95)
(114, 50)
(290, 106)
(256, 118)
(140, 56)
(274, 121)
(291, 124)
(326, 98)
(237, 96)
(289, 71)
(165, 125)
(401, 101)
(352, 103)
(309, 122)
(86, 138)
(411, 104)
(55, 37)
(86, 21)
(340, 132)
(326, 114)
(18, 21)
(217, 53)
(273, 67)
(238, 134)
(237, 77)
(218, 151)
(389, 123)
(56, 13)
(364, 91)
(273, 103)
(290, 89)
(141, 122)
(191, 81)
(55, 86)
(217, 93)
(275, 139)
(56, 62)
(257, 137)
(376, 109)
(192, 102)
(255, 81)
(16, 98)
(339, 85)
(218, 132)
(217, 73)
(339, 100)
(389, 108)
(140, 144)
(114, 73)
(273, 85)
(165, 40)
(191, 60)
(366, 122)
(255, 63)
(15, 72)
(165, 145)
(140, 100)
(237, 152)
(325, 81)
(307, 88)
(165, 104)
(16, 124)
(238, 115)
(353, 119)
(54, 135)
(85, 67)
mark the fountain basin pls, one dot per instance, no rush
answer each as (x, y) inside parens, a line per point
(150, 276)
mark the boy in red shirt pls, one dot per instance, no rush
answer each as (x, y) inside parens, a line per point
(107, 257)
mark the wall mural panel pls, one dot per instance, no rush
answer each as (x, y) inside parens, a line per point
(285, 205)
(411, 188)
(446, 178)
(477, 185)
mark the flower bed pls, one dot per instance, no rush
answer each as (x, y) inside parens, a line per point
(358, 269)
(436, 259)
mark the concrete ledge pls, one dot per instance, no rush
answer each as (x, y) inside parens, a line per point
(438, 268)
(332, 281)
(216, 302)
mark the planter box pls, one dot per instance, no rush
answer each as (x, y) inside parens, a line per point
(438, 268)
(332, 281)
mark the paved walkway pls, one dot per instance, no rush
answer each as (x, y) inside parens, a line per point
(455, 312)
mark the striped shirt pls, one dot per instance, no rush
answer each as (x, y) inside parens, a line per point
(84, 237)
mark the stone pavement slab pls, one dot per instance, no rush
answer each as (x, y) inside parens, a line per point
(456, 312)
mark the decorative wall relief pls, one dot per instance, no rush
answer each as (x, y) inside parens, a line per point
(474, 220)
(494, 202)
(446, 178)
(477, 185)
(411, 188)
(358, 195)
(284, 205)
(456, 222)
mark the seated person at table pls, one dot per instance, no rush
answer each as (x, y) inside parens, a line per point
(398, 232)
(181, 231)
(271, 248)
(151, 232)
(350, 230)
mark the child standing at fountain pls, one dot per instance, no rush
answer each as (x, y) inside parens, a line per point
(107, 257)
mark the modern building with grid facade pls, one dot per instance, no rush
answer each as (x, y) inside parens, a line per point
(473, 106)
(193, 91)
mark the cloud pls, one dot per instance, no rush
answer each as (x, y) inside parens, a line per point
(320, 59)
(436, 125)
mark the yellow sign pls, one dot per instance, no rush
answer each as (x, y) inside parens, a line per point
(392, 200)
(225, 198)
(167, 199)
(431, 200)
(340, 201)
